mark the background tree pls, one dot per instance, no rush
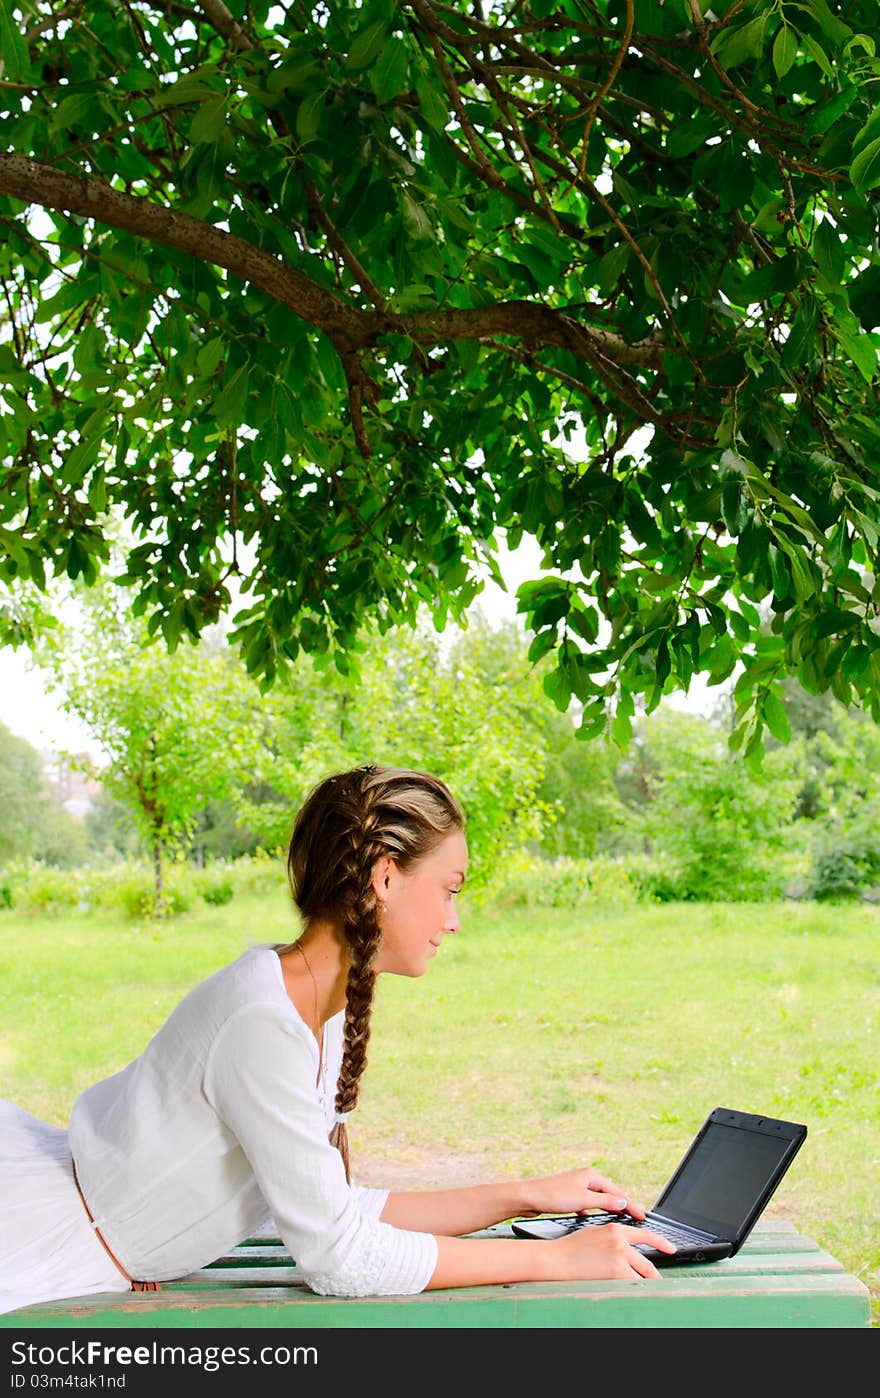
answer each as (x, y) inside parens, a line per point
(22, 795)
(838, 810)
(581, 810)
(415, 702)
(218, 832)
(32, 824)
(332, 296)
(717, 830)
(111, 830)
(175, 731)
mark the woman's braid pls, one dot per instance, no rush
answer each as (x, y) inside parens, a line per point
(350, 822)
(363, 934)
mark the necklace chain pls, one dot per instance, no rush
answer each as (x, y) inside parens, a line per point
(301, 949)
(319, 1038)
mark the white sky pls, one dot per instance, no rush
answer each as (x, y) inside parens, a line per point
(28, 708)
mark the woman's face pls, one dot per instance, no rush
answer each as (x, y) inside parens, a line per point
(419, 906)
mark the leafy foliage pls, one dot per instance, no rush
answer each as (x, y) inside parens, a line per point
(173, 730)
(715, 830)
(324, 299)
(21, 790)
(466, 713)
(31, 822)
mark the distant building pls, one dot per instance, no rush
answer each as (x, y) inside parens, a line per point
(69, 782)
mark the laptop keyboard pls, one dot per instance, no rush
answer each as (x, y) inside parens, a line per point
(666, 1230)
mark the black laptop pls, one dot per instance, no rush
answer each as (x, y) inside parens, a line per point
(715, 1197)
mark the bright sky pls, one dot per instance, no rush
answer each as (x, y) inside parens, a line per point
(31, 711)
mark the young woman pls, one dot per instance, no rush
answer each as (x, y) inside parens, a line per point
(235, 1112)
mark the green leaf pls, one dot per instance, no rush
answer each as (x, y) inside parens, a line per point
(293, 78)
(541, 644)
(308, 116)
(388, 74)
(366, 45)
(209, 357)
(780, 575)
(192, 87)
(431, 104)
(785, 50)
(802, 579)
(593, 721)
(611, 267)
(78, 462)
(98, 492)
(71, 113)
(548, 612)
(865, 526)
(819, 56)
(775, 717)
(209, 123)
(584, 622)
(556, 687)
(621, 730)
(829, 251)
(862, 41)
(14, 56)
(865, 169)
(867, 133)
(862, 351)
(231, 397)
(732, 47)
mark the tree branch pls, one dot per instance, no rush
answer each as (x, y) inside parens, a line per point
(35, 183)
(348, 328)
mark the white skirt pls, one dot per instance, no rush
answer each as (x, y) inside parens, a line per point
(48, 1248)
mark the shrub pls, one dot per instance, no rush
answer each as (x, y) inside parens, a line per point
(214, 888)
(533, 882)
(262, 872)
(128, 888)
(654, 880)
(845, 866)
(40, 890)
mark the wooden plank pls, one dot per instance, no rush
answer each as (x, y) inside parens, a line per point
(815, 1302)
(780, 1278)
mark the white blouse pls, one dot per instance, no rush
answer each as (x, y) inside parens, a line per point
(221, 1121)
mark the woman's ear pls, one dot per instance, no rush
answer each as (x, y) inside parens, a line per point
(382, 878)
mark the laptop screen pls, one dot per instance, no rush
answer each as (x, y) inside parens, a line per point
(725, 1178)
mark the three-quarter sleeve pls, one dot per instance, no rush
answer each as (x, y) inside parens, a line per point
(260, 1079)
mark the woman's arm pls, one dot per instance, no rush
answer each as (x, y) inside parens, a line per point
(453, 1212)
(588, 1254)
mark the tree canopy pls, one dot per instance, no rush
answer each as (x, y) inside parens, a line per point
(175, 731)
(325, 299)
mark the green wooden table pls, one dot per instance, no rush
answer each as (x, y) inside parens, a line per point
(779, 1279)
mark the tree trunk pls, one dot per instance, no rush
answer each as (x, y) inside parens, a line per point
(160, 907)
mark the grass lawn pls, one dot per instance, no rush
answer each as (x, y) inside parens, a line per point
(539, 1039)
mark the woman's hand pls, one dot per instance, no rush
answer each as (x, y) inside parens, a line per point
(606, 1251)
(577, 1192)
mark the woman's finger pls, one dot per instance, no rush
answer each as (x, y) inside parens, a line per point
(643, 1266)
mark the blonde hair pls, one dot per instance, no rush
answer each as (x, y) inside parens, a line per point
(349, 821)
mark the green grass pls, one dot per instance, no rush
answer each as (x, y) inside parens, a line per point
(539, 1039)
